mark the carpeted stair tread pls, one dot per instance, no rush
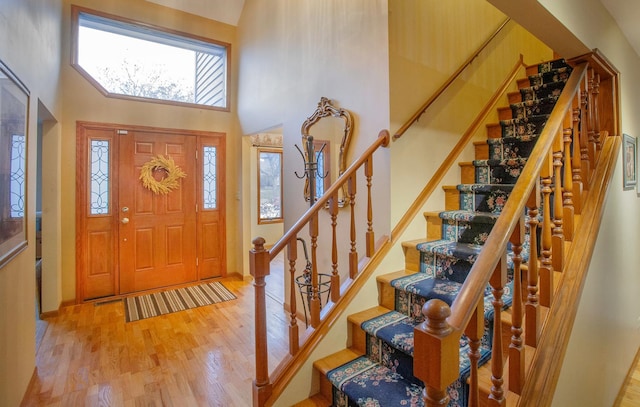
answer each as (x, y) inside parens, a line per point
(529, 108)
(356, 378)
(469, 216)
(509, 162)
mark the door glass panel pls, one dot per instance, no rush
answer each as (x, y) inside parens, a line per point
(99, 204)
(209, 183)
(17, 175)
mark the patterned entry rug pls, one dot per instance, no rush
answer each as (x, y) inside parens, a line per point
(179, 299)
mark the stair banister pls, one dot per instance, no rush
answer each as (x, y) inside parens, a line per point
(439, 332)
(472, 288)
(448, 82)
(264, 387)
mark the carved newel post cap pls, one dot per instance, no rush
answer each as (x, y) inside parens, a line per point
(436, 313)
(258, 244)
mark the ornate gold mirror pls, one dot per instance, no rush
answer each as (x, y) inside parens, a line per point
(329, 138)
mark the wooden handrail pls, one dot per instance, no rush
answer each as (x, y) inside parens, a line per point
(438, 176)
(473, 288)
(448, 82)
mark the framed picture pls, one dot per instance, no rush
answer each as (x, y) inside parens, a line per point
(14, 107)
(629, 152)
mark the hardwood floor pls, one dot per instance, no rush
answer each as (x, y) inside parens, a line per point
(630, 394)
(89, 355)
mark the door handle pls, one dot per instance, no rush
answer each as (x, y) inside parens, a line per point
(124, 221)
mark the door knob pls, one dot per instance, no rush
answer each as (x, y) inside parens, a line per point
(124, 221)
(125, 209)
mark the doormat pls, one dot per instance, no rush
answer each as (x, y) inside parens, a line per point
(179, 299)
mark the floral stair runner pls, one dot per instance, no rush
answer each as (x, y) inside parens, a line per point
(384, 376)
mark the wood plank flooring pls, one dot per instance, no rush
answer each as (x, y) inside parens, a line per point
(89, 355)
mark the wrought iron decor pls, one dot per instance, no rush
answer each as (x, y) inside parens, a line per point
(310, 155)
(14, 107)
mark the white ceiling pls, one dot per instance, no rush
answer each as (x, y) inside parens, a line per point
(625, 12)
(226, 11)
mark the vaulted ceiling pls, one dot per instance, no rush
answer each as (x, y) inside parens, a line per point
(625, 12)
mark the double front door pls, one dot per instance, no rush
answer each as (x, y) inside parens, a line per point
(150, 209)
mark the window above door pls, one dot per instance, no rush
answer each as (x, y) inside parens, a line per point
(129, 59)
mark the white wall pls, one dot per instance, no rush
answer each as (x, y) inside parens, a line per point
(30, 32)
(294, 53)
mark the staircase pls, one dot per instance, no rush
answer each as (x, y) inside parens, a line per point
(378, 367)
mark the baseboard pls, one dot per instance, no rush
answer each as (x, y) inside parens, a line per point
(55, 313)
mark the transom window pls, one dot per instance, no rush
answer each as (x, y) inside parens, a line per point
(128, 59)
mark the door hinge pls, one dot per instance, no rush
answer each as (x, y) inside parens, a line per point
(197, 262)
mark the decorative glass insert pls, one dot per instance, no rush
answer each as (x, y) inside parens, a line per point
(209, 178)
(18, 151)
(269, 185)
(100, 177)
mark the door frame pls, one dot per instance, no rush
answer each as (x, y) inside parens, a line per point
(111, 274)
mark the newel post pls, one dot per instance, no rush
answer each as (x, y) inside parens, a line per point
(436, 353)
(259, 263)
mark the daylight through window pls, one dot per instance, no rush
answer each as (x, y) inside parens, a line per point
(131, 60)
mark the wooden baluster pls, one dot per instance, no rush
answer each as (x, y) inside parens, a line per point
(576, 161)
(532, 311)
(314, 304)
(516, 350)
(596, 114)
(335, 276)
(353, 254)
(436, 358)
(567, 192)
(474, 332)
(294, 338)
(557, 240)
(585, 114)
(591, 111)
(498, 281)
(370, 243)
(546, 269)
(259, 265)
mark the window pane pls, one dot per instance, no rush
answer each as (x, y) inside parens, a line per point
(17, 175)
(132, 60)
(209, 178)
(320, 174)
(99, 203)
(269, 184)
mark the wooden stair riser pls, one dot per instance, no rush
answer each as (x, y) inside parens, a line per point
(434, 225)
(481, 149)
(468, 171)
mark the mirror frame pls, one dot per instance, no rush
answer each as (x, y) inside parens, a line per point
(327, 109)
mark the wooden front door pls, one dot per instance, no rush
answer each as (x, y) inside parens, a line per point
(131, 238)
(157, 230)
